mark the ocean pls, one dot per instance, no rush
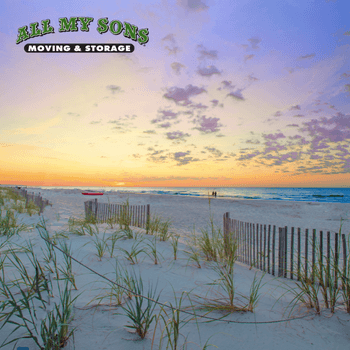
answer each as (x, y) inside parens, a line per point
(333, 195)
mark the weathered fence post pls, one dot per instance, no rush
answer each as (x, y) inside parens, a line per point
(226, 232)
(282, 252)
(96, 209)
(148, 218)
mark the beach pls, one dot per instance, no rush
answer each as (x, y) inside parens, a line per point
(103, 327)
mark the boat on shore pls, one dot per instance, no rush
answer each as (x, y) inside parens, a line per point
(92, 193)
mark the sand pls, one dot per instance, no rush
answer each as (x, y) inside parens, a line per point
(103, 327)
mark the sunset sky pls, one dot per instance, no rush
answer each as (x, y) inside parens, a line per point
(225, 93)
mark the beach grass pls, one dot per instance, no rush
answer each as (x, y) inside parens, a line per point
(141, 311)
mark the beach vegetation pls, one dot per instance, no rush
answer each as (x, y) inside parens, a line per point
(139, 310)
(114, 238)
(125, 216)
(134, 252)
(170, 318)
(114, 292)
(159, 226)
(193, 256)
(53, 331)
(175, 243)
(225, 293)
(100, 244)
(9, 225)
(67, 272)
(254, 293)
(32, 208)
(152, 251)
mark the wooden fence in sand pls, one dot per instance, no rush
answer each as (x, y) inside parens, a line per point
(37, 199)
(133, 215)
(290, 253)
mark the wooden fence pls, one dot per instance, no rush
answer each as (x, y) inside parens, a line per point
(32, 197)
(289, 253)
(135, 215)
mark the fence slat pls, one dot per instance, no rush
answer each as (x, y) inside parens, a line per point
(291, 253)
(313, 254)
(306, 251)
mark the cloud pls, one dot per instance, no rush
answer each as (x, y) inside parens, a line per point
(204, 53)
(208, 125)
(149, 132)
(273, 136)
(254, 43)
(278, 114)
(199, 106)
(334, 129)
(165, 125)
(208, 71)
(172, 47)
(182, 96)
(177, 135)
(248, 57)
(214, 151)
(295, 108)
(182, 159)
(236, 95)
(347, 88)
(299, 116)
(251, 78)
(345, 76)
(193, 5)
(114, 88)
(306, 56)
(249, 155)
(293, 125)
(177, 67)
(169, 37)
(225, 84)
(254, 142)
(157, 156)
(164, 115)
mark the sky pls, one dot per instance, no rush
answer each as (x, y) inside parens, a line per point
(242, 93)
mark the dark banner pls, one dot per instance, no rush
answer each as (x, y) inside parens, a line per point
(79, 48)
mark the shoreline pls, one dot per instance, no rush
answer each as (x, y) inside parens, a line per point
(190, 212)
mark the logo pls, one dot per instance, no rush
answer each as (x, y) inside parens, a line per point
(75, 24)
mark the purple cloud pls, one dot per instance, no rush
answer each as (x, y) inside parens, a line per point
(249, 156)
(164, 115)
(237, 95)
(204, 53)
(248, 57)
(176, 135)
(182, 159)
(176, 67)
(208, 71)
(193, 5)
(226, 85)
(307, 56)
(114, 88)
(165, 125)
(214, 151)
(208, 125)
(182, 96)
(295, 108)
(254, 43)
(274, 136)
